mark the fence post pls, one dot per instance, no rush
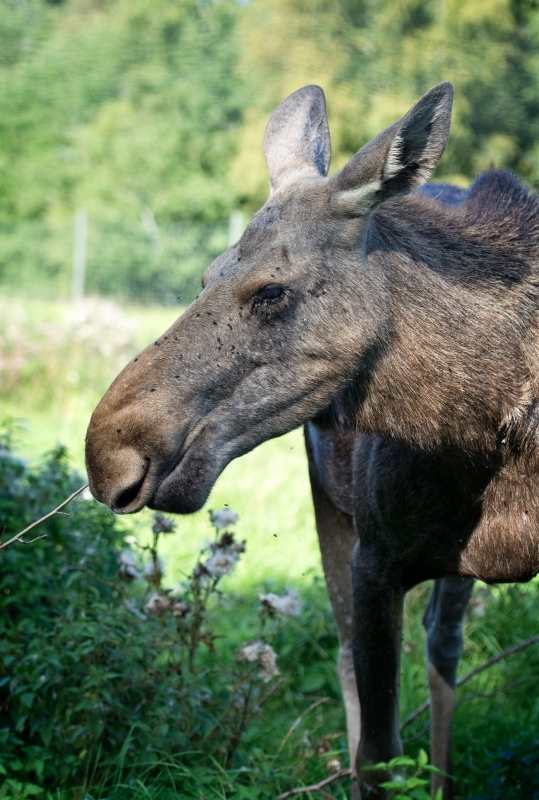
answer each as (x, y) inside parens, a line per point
(79, 255)
(150, 228)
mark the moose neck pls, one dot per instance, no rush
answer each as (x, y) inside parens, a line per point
(452, 367)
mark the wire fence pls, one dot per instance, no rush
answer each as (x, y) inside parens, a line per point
(135, 261)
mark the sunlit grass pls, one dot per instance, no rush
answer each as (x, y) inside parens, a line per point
(269, 487)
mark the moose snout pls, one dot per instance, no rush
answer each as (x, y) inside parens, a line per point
(119, 477)
(125, 460)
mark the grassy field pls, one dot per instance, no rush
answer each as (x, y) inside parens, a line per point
(55, 363)
(268, 487)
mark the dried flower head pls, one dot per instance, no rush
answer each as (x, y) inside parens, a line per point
(226, 539)
(127, 567)
(334, 765)
(158, 603)
(200, 573)
(287, 604)
(222, 563)
(162, 524)
(180, 608)
(226, 554)
(223, 518)
(262, 654)
(249, 651)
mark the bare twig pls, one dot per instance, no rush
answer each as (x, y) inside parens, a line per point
(465, 678)
(495, 659)
(316, 787)
(417, 713)
(417, 735)
(297, 721)
(475, 696)
(247, 716)
(18, 537)
(259, 705)
(486, 695)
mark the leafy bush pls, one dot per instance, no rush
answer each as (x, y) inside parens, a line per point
(514, 773)
(408, 784)
(106, 675)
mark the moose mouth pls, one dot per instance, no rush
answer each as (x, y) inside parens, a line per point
(158, 492)
(187, 486)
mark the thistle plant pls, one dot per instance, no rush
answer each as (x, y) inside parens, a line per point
(255, 676)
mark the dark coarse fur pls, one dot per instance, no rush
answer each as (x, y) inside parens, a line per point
(467, 338)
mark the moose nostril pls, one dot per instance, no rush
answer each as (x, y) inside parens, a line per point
(126, 497)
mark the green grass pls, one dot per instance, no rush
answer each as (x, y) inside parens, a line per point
(269, 489)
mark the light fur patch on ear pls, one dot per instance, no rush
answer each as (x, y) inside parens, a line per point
(355, 202)
(393, 164)
(428, 158)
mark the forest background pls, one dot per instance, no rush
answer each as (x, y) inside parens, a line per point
(149, 116)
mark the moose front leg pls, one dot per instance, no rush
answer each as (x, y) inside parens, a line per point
(337, 537)
(378, 603)
(443, 623)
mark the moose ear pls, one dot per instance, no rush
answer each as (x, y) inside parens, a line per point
(399, 159)
(296, 141)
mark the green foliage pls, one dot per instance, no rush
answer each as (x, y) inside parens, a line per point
(111, 681)
(127, 105)
(514, 773)
(130, 107)
(406, 782)
(124, 261)
(375, 59)
(118, 106)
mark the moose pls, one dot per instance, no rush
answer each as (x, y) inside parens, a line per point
(397, 321)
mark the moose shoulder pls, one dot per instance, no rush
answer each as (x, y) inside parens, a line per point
(399, 322)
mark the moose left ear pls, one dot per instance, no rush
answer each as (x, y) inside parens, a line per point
(296, 142)
(399, 159)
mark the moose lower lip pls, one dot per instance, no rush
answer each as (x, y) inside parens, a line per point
(170, 475)
(186, 487)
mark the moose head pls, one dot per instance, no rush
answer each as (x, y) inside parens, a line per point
(291, 318)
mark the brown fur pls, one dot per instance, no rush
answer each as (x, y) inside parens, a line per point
(403, 324)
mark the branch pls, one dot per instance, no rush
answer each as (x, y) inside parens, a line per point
(475, 696)
(259, 705)
(18, 537)
(417, 735)
(486, 695)
(316, 787)
(485, 665)
(248, 715)
(495, 659)
(296, 723)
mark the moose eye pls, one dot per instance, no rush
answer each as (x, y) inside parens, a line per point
(269, 295)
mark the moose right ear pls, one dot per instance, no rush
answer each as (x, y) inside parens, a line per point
(296, 142)
(399, 159)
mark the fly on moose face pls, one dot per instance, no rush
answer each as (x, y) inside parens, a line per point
(252, 358)
(269, 343)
